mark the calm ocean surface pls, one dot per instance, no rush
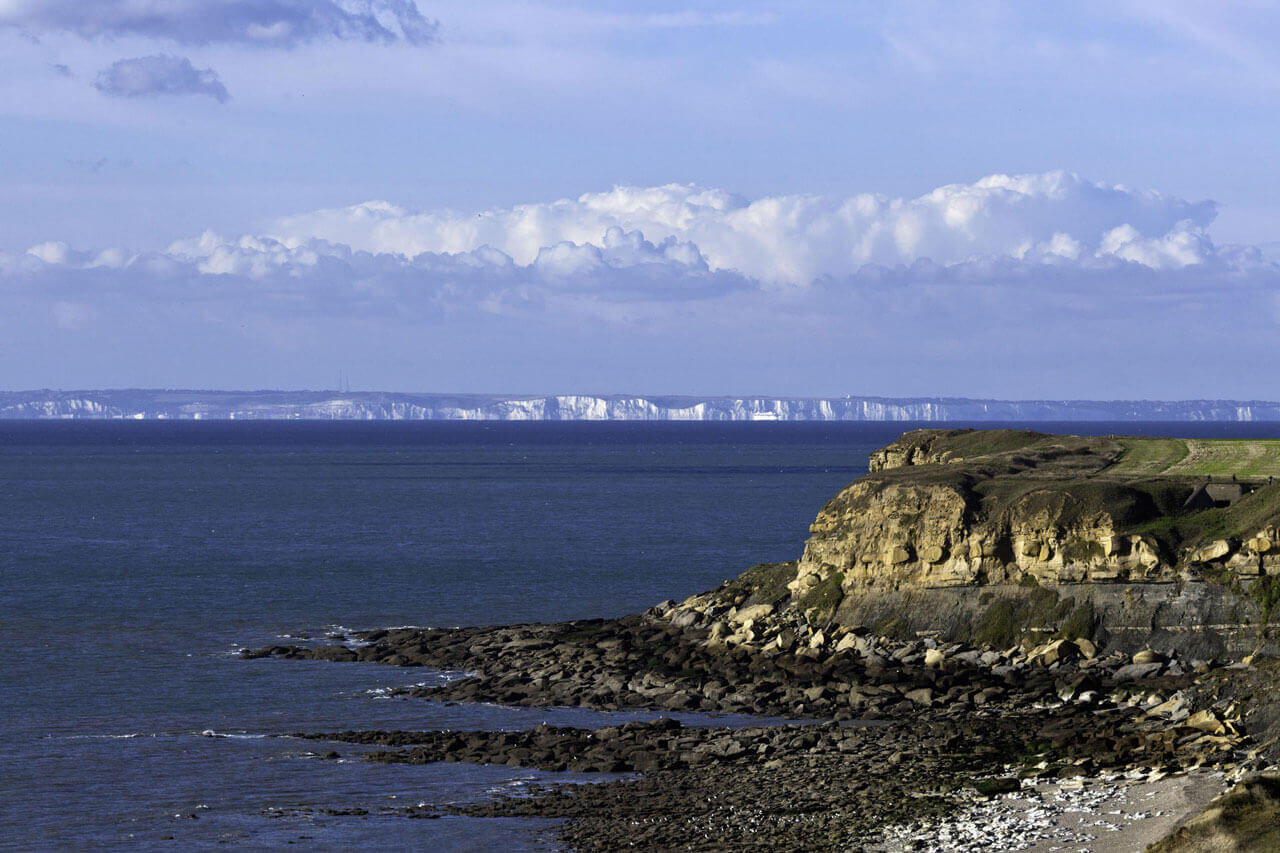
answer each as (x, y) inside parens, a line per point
(135, 558)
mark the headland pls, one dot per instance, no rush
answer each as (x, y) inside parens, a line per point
(987, 618)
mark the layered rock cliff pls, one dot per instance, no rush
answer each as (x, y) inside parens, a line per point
(965, 508)
(1000, 536)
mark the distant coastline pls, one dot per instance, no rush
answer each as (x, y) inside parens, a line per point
(375, 405)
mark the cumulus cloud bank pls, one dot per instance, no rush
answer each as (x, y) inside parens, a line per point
(159, 75)
(676, 241)
(1054, 217)
(281, 23)
(1010, 272)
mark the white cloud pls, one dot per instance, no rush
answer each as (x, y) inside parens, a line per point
(676, 244)
(282, 23)
(147, 76)
(1023, 280)
(794, 240)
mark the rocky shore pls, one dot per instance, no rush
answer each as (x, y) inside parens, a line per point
(913, 729)
(897, 730)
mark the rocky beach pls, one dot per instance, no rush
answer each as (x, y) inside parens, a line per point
(1047, 641)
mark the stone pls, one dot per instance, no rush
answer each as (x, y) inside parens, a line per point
(753, 613)
(1137, 671)
(1175, 708)
(1148, 656)
(934, 554)
(685, 618)
(1215, 550)
(933, 658)
(898, 554)
(995, 787)
(1055, 652)
(1206, 721)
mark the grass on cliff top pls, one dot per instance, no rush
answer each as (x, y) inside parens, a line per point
(1246, 458)
(1139, 456)
(985, 442)
(1243, 518)
(1079, 501)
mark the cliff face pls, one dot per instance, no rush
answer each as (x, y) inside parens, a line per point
(368, 405)
(948, 520)
(956, 508)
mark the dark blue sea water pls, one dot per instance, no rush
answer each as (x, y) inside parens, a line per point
(135, 558)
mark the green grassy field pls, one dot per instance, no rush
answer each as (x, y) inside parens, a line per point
(1249, 459)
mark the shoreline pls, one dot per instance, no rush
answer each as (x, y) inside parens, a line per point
(912, 731)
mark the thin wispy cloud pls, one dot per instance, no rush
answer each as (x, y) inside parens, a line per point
(150, 76)
(279, 23)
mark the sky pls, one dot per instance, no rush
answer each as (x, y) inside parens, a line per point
(989, 199)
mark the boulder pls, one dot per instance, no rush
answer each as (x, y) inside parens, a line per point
(848, 641)
(1215, 550)
(898, 554)
(753, 613)
(685, 618)
(1059, 651)
(1137, 671)
(1206, 721)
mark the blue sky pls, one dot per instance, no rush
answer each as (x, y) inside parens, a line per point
(985, 199)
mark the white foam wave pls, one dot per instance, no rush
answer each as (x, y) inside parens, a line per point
(235, 735)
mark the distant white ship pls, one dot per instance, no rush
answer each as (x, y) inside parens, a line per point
(765, 416)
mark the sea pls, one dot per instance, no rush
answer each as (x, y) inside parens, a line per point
(137, 558)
